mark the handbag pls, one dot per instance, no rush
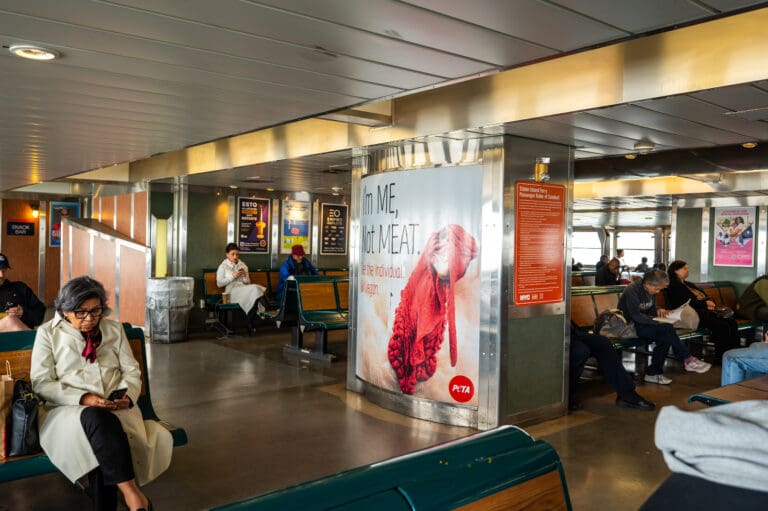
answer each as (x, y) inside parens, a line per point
(689, 318)
(6, 399)
(24, 438)
(611, 324)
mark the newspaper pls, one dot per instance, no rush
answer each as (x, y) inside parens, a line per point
(673, 315)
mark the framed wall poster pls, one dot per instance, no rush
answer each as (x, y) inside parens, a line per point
(58, 211)
(734, 236)
(295, 225)
(334, 219)
(253, 225)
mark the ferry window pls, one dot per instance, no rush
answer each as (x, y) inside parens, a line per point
(636, 245)
(585, 247)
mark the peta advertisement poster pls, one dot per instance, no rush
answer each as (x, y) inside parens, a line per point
(60, 210)
(418, 312)
(295, 228)
(253, 225)
(734, 236)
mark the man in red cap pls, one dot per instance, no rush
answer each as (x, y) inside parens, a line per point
(19, 307)
(294, 265)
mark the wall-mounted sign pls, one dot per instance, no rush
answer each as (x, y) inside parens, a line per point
(295, 226)
(539, 243)
(253, 225)
(333, 229)
(60, 210)
(734, 236)
(418, 314)
(19, 228)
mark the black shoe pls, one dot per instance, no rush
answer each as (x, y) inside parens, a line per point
(635, 401)
(574, 406)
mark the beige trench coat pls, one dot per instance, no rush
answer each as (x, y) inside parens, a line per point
(61, 375)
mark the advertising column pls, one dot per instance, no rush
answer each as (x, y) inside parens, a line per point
(418, 314)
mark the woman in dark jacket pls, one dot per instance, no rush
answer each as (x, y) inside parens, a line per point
(725, 331)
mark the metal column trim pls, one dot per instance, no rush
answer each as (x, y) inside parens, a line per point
(41, 245)
(231, 214)
(705, 216)
(760, 246)
(673, 234)
(117, 279)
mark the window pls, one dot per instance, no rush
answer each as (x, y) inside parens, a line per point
(585, 247)
(636, 245)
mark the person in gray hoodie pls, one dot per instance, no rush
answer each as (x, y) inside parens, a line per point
(638, 303)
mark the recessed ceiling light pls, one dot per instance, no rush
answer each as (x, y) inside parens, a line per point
(234, 187)
(270, 189)
(749, 145)
(644, 146)
(30, 51)
(336, 188)
(630, 156)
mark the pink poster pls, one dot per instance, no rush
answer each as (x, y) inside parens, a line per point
(734, 236)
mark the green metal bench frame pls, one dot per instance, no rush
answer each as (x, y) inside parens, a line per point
(28, 466)
(443, 477)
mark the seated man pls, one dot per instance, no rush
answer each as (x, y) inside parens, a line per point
(296, 264)
(753, 303)
(745, 363)
(638, 303)
(21, 310)
(643, 266)
(583, 346)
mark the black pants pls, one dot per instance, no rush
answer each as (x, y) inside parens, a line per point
(725, 334)
(584, 345)
(110, 446)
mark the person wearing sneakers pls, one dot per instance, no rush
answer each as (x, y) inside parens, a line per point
(638, 303)
(753, 303)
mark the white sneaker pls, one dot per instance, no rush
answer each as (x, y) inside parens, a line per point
(658, 379)
(695, 365)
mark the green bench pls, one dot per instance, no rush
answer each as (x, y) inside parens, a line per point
(499, 469)
(322, 304)
(16, 347)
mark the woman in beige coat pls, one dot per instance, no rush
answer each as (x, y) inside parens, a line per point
(78, 360)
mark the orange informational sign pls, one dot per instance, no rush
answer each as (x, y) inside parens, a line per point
(539, 243)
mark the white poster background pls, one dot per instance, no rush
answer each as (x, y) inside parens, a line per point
(412, 205)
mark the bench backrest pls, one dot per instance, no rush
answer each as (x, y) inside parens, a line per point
(16, 347)
(317, 293)
(342, 290)
(499, 469)
(588, 302)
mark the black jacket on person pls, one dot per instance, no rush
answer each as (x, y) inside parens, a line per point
(18, 293)
(605, 277)
(678, 292)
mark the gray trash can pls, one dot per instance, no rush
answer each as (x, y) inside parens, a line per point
(169, 301)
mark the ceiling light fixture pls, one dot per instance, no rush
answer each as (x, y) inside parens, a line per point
(35, 210)
(30, 51)
(749, 145)
(630, 156)
(644, 146)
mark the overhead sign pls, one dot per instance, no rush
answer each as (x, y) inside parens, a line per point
(19, 228)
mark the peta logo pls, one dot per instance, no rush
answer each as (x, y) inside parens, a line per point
(461, 388)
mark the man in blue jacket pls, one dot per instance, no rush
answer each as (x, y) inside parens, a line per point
(296, 264)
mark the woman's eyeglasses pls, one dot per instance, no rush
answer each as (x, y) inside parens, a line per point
(95, 313)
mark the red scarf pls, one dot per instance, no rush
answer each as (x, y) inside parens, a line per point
(92, 341)
(426, 304)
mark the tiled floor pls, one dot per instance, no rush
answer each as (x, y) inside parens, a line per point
(258, 420)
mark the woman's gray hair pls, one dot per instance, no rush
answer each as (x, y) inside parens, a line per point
(656, 277)
(78, 290)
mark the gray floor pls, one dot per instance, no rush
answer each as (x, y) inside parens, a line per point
(258, 420)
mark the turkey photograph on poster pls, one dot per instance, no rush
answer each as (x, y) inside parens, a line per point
(418, 314)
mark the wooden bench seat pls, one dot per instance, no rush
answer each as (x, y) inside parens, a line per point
(16, 347)
(499, 469)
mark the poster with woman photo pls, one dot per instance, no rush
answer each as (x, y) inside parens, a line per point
(734, 236)
(418, 311)
(58, 211)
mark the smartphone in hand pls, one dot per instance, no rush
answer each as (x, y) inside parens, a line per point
(117, 394)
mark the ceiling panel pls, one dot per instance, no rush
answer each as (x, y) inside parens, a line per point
(637, 17)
